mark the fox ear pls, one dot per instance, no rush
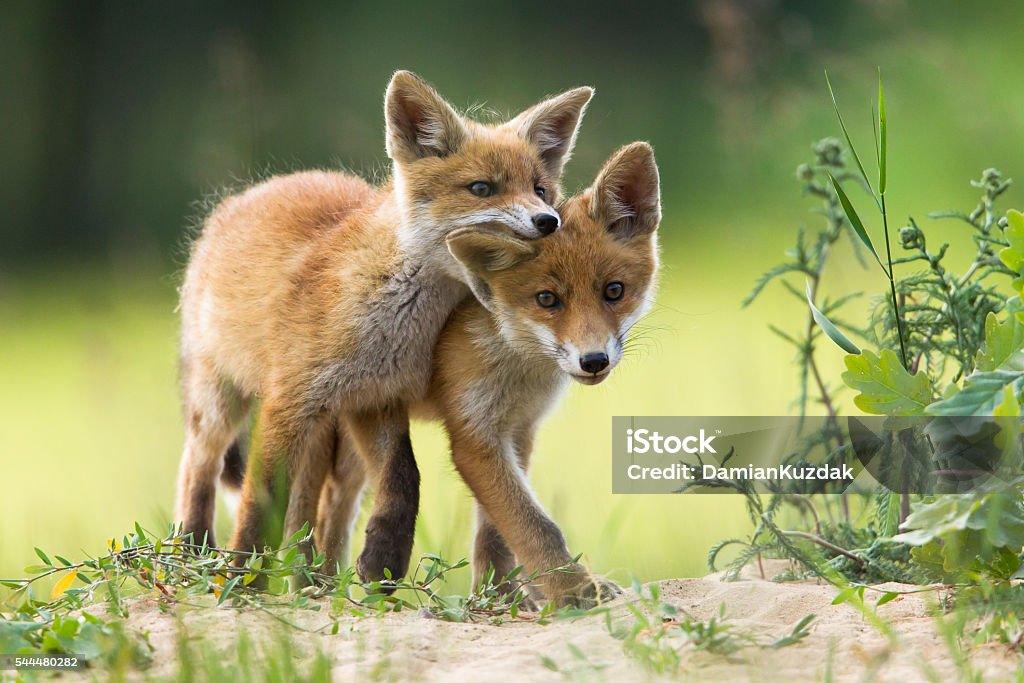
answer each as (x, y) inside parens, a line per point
(627, 194)
(552, 125)
(487, 249)
(419, 122)
(482, 250)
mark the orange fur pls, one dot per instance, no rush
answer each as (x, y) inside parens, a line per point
(503, 361)
(323, 296)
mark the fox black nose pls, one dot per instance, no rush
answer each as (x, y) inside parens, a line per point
(546, 223)
(594, 362)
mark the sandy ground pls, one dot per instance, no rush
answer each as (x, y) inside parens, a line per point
(413, 647)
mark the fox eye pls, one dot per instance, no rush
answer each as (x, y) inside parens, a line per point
(546, 299)
(541, 192)
(481, 188)
(613, 291)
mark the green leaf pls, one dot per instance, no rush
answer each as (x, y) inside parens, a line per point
(1008, 407)
(844, 595)
(952, 534)
(1013, 255)
(881, 136)
(849, 142)
(888, 597)
(14, 635)
(854, 218)
(43, 557)
(983, 392)
(931, 521)
(225, 592)
(889, 514)
(1002, 340)
(885, 386)
(833, 332)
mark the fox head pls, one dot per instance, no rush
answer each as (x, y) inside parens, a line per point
(450, 171)
(573, 297)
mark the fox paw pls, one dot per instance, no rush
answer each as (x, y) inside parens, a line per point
(596, 591)
(379, 555)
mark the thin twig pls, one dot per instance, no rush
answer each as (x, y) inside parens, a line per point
(824, 544)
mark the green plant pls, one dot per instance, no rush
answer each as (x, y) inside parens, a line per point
(968, 319)
(77, 608)
(659, 634)
(946, 352)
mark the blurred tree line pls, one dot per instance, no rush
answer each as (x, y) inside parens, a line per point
(119, 118)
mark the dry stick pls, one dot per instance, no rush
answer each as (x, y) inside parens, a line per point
(824, 544)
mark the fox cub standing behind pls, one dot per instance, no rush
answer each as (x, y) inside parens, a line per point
(324, 296)
(546, 311)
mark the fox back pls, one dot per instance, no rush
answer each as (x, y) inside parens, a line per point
(321, 279)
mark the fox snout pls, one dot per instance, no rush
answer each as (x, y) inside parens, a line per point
(590, 365)
(525, 220)
(546, 223)
(530, 220)
(594, 362)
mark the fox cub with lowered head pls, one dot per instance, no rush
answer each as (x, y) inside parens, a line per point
(323, 296)
(546, 312)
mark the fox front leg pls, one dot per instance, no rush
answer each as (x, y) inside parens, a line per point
(499, 485)
(339, 504)
(382, 439)
(490, 550)
(292, 442)
(308, 470)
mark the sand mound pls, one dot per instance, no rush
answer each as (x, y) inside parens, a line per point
(413, 647)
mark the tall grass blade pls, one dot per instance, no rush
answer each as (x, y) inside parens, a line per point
(881, 136)
(854, 218)
(874, 131)
(846, 134)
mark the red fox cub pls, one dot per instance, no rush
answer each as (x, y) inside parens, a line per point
(323, 296)
(547, 311)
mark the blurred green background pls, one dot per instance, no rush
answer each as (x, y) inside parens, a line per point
(120, 119)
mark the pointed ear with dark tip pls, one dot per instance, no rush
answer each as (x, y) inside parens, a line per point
(552, 125)
(627, 195)
(419, 122)
(483, 250)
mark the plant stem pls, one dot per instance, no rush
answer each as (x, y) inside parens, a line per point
(824, 544)
(892, 288)
(809, 357)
